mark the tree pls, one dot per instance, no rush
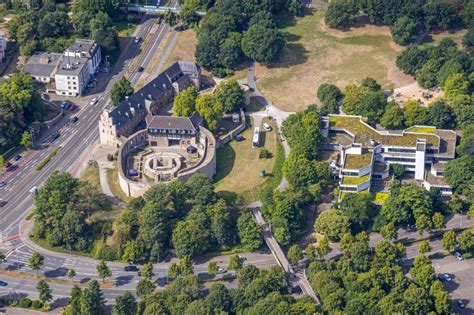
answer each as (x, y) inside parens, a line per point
(201, 189)
(466, 240)
(455, 85)
(74, 301)
(45, 292)
(422, 271)
(132, 251)
(125, 304)
(301, 130)
(103, 270)
(147, 271)
(360, 210)
(2, 161)
(71, 273)
(249, 232)
(26, 140)
(403, 30)
(104, 33)
(184, 104)
(120, 90)
(364, 101)
(174, 271)
(341, 14)
(210, 109)
(393, 117)
(262, 44)
(389, 231)
(222, 223)
(186, 267)
(427, 75)
(414, 113)
(406, 204)
(459, 173)
(424, 247)
(423, 224)
(438, 221)
(449, 240)
(322, 246)
(440, 115)
(170, 18)
(145, 287)
(36, 262)
(449, 68)
(230, 50)
(230, 95)
(295, 8)
(397, 170)
(330, 97)
(212, 268)
(235, 263)
(92, 300)
(219, 298)
(154, 226)
(189, 239)
(332, 223)
(294, 254)
(412, 59)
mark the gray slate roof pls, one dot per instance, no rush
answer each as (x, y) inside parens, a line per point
(177, 123)
(83, 45)
(76, 63)
(163, 82)
(43, 64)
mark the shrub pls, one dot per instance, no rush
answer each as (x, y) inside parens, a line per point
(25, 303)
(104, 252)
(37, 304)
(47, 159)
(265, 154)
(467, 255)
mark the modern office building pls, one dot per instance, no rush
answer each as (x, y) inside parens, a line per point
(367, 153)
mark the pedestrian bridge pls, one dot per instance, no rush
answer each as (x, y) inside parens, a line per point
(152, 9)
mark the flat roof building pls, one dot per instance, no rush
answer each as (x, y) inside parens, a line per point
(43, 66)
(72, 76)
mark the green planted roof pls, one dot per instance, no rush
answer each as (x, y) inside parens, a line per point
(349, 180)
(363, 133)
(357, 161)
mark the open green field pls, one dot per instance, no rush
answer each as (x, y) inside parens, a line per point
(91, 174)
(238, 164)
(316, 54)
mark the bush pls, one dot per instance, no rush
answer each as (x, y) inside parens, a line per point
(25, 303)
(47, 159)
(467, 255)
(104, 252)
(37, 304)
(265, 154)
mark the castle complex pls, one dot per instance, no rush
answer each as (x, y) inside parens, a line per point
(156, 148)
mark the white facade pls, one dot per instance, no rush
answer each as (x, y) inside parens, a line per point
(86, 48)
(72, 81)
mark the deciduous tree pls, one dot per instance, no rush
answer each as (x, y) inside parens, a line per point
(120, 90)
(184, 104)
(262, 44)
(230, 95)
(210, 109)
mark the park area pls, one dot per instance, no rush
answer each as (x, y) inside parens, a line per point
(316, 54)
(238, 164)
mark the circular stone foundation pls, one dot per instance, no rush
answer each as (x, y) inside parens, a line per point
(162, 165)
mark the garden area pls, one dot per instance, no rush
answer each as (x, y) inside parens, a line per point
(238, 164)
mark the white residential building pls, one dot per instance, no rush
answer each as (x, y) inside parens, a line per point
(86, 48)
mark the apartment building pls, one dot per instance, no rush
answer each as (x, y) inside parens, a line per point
(72, 76)
(86, 48)
(367, 153)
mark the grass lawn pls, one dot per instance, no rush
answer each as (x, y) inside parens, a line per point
(91, 174)
(112, 178)
(124, 28)
(238, 164)
(183, 48)
(254, 106)
(316, 54)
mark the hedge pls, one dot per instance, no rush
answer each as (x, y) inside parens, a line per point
(47, 159)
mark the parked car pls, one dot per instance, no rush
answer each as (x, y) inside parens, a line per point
(140, 69)
(239, 138)
(93, 102)
(458, 256)
(3, 283)
(73, 119)
(267, 127)
(221, 270)
(3, 184)
(137, 40)
(131, 268)
(447, 277)
(63, 104)
(55, 135)
(460, 304)
(72, 108)
(17, 157)
(2, 202)
(8, 164)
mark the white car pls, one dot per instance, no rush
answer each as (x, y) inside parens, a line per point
(221, 270)
(93, 102)
(137, 40)
(458, 256)
(267, 127)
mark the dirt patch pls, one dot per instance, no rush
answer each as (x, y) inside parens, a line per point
(414, 92)
(398, 77)
(316, 54)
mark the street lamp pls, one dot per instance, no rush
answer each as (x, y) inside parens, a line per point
(107, 62)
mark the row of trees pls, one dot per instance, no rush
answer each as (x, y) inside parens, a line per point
(232, 31)
(227, 97)
(405, 18)
(258, 292)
